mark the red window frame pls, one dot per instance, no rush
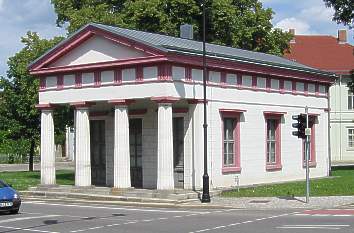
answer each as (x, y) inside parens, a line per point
(277, 165)
(236, 115)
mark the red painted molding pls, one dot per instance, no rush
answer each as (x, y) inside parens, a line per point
(98, 114)
(137, 111)
(230, 112)
(180, 110)
(100, 65)
(139, 74)
(83, 36)
(281, 86)
(250, 69)
(268, 84)
(239, 80)
(45, 106)
(236, 166)
(78, 80)
(274, 113)
(81, 104)
(60, 82)
(42, 83)
(273, 167)
(117, 76)
(165, 99)
(121, 101)
(195, 101)
(97, 78)
(254, 82)
(188, 73)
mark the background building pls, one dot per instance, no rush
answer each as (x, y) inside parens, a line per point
(335, 55)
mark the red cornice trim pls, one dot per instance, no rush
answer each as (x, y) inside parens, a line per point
(45, 106)
(81, 104)
(274, 113)
(134, 112)
(180, 110)
(195, 101)
(231, 111)
(84, 35)
(98, 114)
(121, 102)
(99, 65)
(165, 99)
(252, 69)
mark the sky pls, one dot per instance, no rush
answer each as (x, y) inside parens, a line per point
(19, 16)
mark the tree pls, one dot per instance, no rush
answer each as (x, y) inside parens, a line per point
(238, 23)
(344, 11)
(19, 119)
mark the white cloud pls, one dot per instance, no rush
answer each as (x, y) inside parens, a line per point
(318, 13)
(300, 26)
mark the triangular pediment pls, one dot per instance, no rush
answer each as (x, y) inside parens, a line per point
(97, 49)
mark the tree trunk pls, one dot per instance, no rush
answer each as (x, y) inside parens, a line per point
(31, 155)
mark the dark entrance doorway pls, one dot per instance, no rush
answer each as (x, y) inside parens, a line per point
(178, 151)
(135, 140)
(98, 152)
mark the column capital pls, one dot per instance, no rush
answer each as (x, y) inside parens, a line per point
(45, 107)
(165, 99)
(81, 104)
(118, 102)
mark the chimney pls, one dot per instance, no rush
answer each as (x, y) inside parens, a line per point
(292, 32)
(342, 36)
(186, 31)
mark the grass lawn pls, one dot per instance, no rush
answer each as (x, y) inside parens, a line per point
(340, 184)
(22, 180)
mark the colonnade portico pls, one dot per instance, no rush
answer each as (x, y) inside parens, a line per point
(121, 156)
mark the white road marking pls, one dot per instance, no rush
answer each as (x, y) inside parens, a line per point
(116, 208)
(27, 218)
(342, 215)
(324, 227)
(239, 223)
(27, 229)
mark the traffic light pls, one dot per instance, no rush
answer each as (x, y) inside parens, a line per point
(300, 125)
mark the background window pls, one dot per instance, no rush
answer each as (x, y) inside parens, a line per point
(350, 100)
(274, 84)
(351, 138)
(229, 141)
(246, 81)
(288, 85)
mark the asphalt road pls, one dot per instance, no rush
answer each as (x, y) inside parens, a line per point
(49, 217)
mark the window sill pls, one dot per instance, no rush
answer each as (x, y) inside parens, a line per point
(273, 167)
(311, 164)
(231, 169)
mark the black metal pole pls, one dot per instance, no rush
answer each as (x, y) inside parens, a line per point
(205, 196)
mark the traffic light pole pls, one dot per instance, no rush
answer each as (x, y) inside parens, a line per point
(307, 158)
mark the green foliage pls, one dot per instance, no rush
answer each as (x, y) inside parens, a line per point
(344, 11)
(340, 184)
(19, 119)
(238, 23)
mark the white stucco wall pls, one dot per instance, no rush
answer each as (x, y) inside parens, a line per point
(97, 49)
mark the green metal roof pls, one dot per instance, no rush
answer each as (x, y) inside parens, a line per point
(192, 47)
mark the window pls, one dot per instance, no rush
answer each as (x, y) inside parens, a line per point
(300, 87)
(261, 82)
(312, 161)
(247, 81)
(274, 84)
(273, 141)
(350, 101)
(288, 85)
(311, 88)
(351, 138)
(230, 140)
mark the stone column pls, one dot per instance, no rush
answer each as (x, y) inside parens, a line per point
(165, 179)
(82, 145)
(121, 159)
(47, 145)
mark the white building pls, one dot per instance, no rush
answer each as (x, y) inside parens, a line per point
(139, 115)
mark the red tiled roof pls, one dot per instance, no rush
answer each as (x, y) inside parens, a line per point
(322, 52)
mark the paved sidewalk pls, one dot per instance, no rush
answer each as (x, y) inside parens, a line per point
(24, 167)
(283, 203)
